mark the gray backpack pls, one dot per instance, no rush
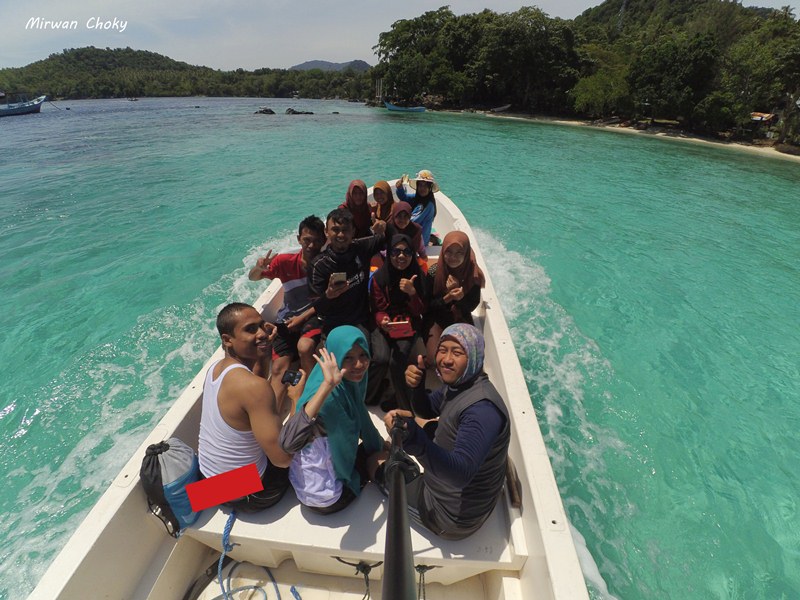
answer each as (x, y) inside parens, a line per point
(168, 467)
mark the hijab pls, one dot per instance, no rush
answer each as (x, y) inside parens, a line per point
(471, 340)
(362, 218)
(388, 277)
(412, 230)
(344, 414)
(384, 211)
(468, 274)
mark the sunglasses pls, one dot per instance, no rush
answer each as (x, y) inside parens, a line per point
(399, 251)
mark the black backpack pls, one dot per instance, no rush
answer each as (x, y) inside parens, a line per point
(168, 467)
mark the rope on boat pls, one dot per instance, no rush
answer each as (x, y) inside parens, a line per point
(256, 588)
(365, 569)
(226, 547)
(227, 594)
(274, 583)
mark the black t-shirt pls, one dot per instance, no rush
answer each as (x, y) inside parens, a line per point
(352, 307)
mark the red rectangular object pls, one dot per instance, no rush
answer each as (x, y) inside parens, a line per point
(400, 329)
(224, 487)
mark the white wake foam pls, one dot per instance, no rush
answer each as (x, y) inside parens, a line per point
(559, 364)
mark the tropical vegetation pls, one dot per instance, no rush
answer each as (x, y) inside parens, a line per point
(704, 64)
(123, 72)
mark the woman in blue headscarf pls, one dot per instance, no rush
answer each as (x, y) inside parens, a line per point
(465, 461)
(329, 467)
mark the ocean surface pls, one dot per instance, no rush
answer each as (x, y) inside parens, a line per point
(652, 287)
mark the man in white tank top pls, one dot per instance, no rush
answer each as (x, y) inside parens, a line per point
(240, 424)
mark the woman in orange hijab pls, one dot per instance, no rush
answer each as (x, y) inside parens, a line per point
(456, 281)
(384, 200)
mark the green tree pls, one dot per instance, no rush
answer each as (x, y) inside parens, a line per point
(748, 77)
(604, 93)
(716, 112)
(414, 62)
(673, 75)
(789, 75)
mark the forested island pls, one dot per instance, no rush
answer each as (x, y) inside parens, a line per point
(703, 65)
(123, 73)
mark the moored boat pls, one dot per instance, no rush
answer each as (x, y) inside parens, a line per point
(524, 551)
(22, 107)
(396, 108)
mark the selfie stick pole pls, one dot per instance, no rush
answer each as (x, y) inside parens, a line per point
(398, 569)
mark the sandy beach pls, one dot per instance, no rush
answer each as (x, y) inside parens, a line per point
(680, 136)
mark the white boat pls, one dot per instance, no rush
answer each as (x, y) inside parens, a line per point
(121, 551)
(22, 107)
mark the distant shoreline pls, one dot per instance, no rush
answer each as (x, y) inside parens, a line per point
(765, 151)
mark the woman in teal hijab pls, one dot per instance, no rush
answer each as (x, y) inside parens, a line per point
(329, 467)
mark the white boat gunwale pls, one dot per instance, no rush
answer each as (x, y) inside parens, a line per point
(120, 548)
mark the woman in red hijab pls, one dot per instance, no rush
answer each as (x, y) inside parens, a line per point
(356, 202)
(456, 281)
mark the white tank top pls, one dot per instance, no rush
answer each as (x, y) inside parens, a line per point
(222, 448)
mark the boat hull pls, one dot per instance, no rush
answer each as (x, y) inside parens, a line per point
(22, 108)
(409, 109)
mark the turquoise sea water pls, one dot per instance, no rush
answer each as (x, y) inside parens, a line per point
(652, 287)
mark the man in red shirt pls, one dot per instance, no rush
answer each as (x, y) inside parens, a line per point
(299, 328)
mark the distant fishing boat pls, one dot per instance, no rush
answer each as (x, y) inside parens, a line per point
(416, 109)
(500, 109)
(22, 107)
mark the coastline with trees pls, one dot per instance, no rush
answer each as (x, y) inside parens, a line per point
(700, 67)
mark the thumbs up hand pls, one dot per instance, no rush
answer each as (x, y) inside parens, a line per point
(407, 285)
(415, 374)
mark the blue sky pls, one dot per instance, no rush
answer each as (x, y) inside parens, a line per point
(237, 33)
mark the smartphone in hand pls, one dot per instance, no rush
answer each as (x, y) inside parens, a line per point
(338, 278)
(291, 377)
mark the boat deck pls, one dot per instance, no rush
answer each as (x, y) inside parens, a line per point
(310, 586)
(358, 533)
